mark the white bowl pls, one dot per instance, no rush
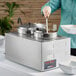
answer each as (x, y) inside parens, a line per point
(68, 68)
(71, 29)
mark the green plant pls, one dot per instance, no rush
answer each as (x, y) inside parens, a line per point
(5, 25)
(11, 8)
(6, 22)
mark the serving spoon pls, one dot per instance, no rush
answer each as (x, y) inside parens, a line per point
(47, 25)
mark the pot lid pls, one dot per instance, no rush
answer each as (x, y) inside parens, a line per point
(39, 25)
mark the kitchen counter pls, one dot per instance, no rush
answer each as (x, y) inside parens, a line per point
(8, 68)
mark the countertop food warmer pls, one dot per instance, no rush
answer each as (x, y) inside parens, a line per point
(41, 54)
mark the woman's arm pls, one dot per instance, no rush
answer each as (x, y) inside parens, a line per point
(53, 4)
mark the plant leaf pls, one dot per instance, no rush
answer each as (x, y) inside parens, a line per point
(12, 22)
(8, 4)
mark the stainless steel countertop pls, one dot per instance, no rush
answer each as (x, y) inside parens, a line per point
(36, 39)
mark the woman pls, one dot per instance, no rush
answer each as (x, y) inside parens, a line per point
(68, 16)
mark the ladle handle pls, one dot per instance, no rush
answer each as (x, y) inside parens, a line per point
(47, 25)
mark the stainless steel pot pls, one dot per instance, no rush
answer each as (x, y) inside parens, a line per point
(28, 28)
(53, 34)
(38, 34)
(22, 30)
(40, 30)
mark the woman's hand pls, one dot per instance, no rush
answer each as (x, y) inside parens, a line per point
(46, 11)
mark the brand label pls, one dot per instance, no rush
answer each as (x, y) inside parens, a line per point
(50, 64)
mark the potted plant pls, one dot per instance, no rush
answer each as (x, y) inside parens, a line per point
(6, 22)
